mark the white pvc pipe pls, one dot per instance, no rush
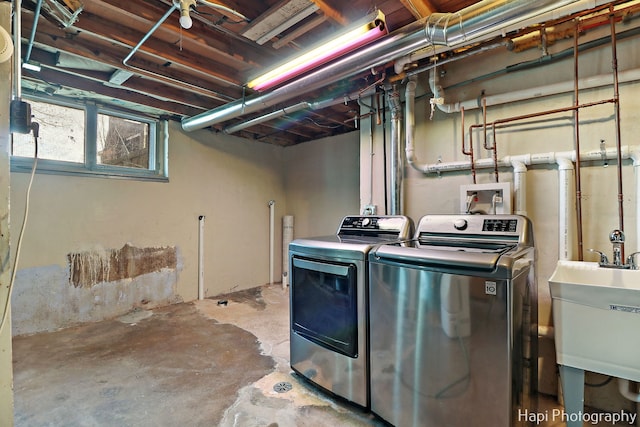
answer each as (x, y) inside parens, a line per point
(565, 223)
(201, 257)
(623, 388)
(287, 237)
(519, 186)
(272, 206)
(635, 156)
(550, 157)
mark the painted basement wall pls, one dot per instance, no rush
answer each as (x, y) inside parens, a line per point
(322, 183)
(227, 179)
(440, 139)
(6, 365)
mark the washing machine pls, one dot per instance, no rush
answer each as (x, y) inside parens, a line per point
(329, 303)
(454, 324)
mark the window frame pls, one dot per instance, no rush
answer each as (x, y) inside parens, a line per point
(158, 146)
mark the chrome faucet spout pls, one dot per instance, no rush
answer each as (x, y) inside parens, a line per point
(617, 240)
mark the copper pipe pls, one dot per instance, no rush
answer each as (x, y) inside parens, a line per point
(616, 95)
(546, 113)
(485, 144)
(495, 124)
(576, 127)
(495, 154)
(470, 152)
(484, 122)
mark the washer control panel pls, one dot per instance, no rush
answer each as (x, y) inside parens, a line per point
(475, 227)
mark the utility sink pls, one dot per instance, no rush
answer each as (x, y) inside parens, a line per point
(596, 313)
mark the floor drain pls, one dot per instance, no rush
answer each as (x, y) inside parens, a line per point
(282, 387)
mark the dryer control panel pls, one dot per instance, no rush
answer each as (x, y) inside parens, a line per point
(365, 224)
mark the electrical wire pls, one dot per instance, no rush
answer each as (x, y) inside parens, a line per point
(5, 313)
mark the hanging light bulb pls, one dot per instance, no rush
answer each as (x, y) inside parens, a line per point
(6, 45)
(185, 19)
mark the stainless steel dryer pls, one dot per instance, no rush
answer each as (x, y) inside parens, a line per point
(454, 324)
(329, 317)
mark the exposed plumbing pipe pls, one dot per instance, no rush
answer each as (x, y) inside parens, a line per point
(616, 85)
(635, 157)
(272, 206)
(287, 237)
(623, 388)
(527, 159)
(482, 19)
(562, 10)
(395, 160)
(201, 257)
(566, 182)
(576, 129)
(410, 120)
(519, 185)
(541, 91)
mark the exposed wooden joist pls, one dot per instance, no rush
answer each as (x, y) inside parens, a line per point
(84, 84)
(331, 12)
(112, 55)
(419, 8)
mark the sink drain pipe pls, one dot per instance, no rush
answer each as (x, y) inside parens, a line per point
(272, 206)
(623, 388)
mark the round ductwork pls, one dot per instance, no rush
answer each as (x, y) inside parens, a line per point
(6, 45)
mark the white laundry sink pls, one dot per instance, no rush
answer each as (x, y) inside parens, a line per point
(596, 313)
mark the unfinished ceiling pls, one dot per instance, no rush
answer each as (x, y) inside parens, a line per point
(124, 53)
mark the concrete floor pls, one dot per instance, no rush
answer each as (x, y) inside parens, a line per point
(192, 364)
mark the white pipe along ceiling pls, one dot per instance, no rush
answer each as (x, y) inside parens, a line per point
(471, 24)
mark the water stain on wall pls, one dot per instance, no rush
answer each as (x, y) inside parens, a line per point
(86, 269)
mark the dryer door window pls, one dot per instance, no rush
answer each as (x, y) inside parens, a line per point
(324, 310)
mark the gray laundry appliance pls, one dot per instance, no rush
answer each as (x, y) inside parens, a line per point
(328, 308)
(454, 324)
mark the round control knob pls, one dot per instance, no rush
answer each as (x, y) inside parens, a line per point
(366, 221)
(460, 224)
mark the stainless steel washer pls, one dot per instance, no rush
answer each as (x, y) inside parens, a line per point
(454, 324)
(329, 317)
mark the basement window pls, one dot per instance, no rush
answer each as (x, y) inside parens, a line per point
(86, 139)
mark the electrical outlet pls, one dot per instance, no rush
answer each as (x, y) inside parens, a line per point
(369, 210)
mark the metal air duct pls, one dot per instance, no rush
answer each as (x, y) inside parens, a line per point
(445, 29)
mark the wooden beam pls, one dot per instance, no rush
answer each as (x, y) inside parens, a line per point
(331, 12)
(111, 55)
(83, 84)
(419, 8)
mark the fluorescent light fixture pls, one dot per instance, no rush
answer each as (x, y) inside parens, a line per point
(359, 35)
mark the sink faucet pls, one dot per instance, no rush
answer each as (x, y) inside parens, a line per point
(617, 240)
